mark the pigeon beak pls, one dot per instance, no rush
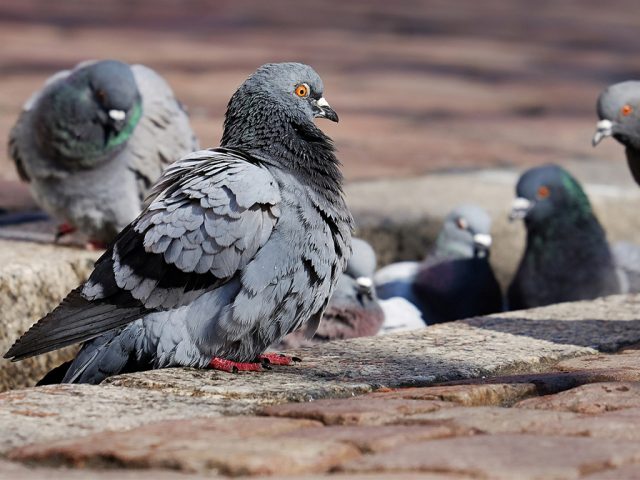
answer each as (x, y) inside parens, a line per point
(117, 118)
(365, 285)
(520, 208)
(482, 241)
(604, 128)
(324, 110)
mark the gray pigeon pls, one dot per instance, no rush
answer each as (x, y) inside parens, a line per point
(353, 310)
(567, 256)
(618, 108)
(236, 247)
(455, 280)
(94, 139)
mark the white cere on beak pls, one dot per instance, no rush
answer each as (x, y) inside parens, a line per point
(482, 239)
(365, 282)
(322, 102)
(604, 128)
(117, 115)
(519, 208)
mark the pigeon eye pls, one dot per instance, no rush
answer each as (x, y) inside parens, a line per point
(462, 223)
(101, 95)
(543, 192)
(626, 110)
(302, 90)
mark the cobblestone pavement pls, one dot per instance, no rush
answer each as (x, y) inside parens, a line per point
(578, 420)
(420, 85)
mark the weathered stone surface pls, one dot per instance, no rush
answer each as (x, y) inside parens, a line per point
(504, 456)
(495, 420)
(606, 324)
(33, 280)
(592, 398)
(554, 382)
(359, 411)
(65, 411)
(374, 476)
(18, 471)
(369, 438)
(418, 358)
(625, 366)
(628, 472)
(467, 395)
(229, 446)
(489, 420)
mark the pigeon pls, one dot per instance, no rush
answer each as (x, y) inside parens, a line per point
(353, 310)
(94, 139)
(456, 281)
(618, 109)
(567, 256)
(236, 247)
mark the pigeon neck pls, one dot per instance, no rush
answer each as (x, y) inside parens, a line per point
(279, 140)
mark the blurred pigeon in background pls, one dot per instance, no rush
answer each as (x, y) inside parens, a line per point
(618, 108)
(94, 139)
(567, 256)
(353, 310)
(237, 247)
(456, 280)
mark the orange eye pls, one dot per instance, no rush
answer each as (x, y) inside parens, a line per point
(462, 223)
(302, 90)
(543, 192)
(626, 110)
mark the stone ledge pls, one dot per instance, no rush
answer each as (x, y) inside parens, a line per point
(33, 280)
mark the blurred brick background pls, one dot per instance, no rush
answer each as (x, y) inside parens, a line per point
(419, 85)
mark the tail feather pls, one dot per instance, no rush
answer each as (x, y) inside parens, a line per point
(75, 320)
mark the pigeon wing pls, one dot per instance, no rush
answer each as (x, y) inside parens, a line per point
(210, 214)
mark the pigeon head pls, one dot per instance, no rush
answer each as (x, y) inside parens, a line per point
(89, 114)
(466, 233)
(279, 99)
(548, 194)
(619, 112)
(362, 262)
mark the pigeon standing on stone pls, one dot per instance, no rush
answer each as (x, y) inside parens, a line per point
(236, 247)
(567, 256)
(456, 280)
(94, 139)
(618, 108)
(353, 310)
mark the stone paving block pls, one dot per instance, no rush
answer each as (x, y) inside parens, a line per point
(229, 446)
(628, 472)
(18, 471)
(606, 324)
(467, 395)
(525, 457)
(66, 411)
(495, 420)
(591, 398)
(376, 438)
(372, 476)
(357, 411)
(553, 382)
(624, 366)
(489, 420)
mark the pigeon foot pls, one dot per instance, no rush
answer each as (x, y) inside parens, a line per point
(64, 229)
(273, 358)
(234, 367)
